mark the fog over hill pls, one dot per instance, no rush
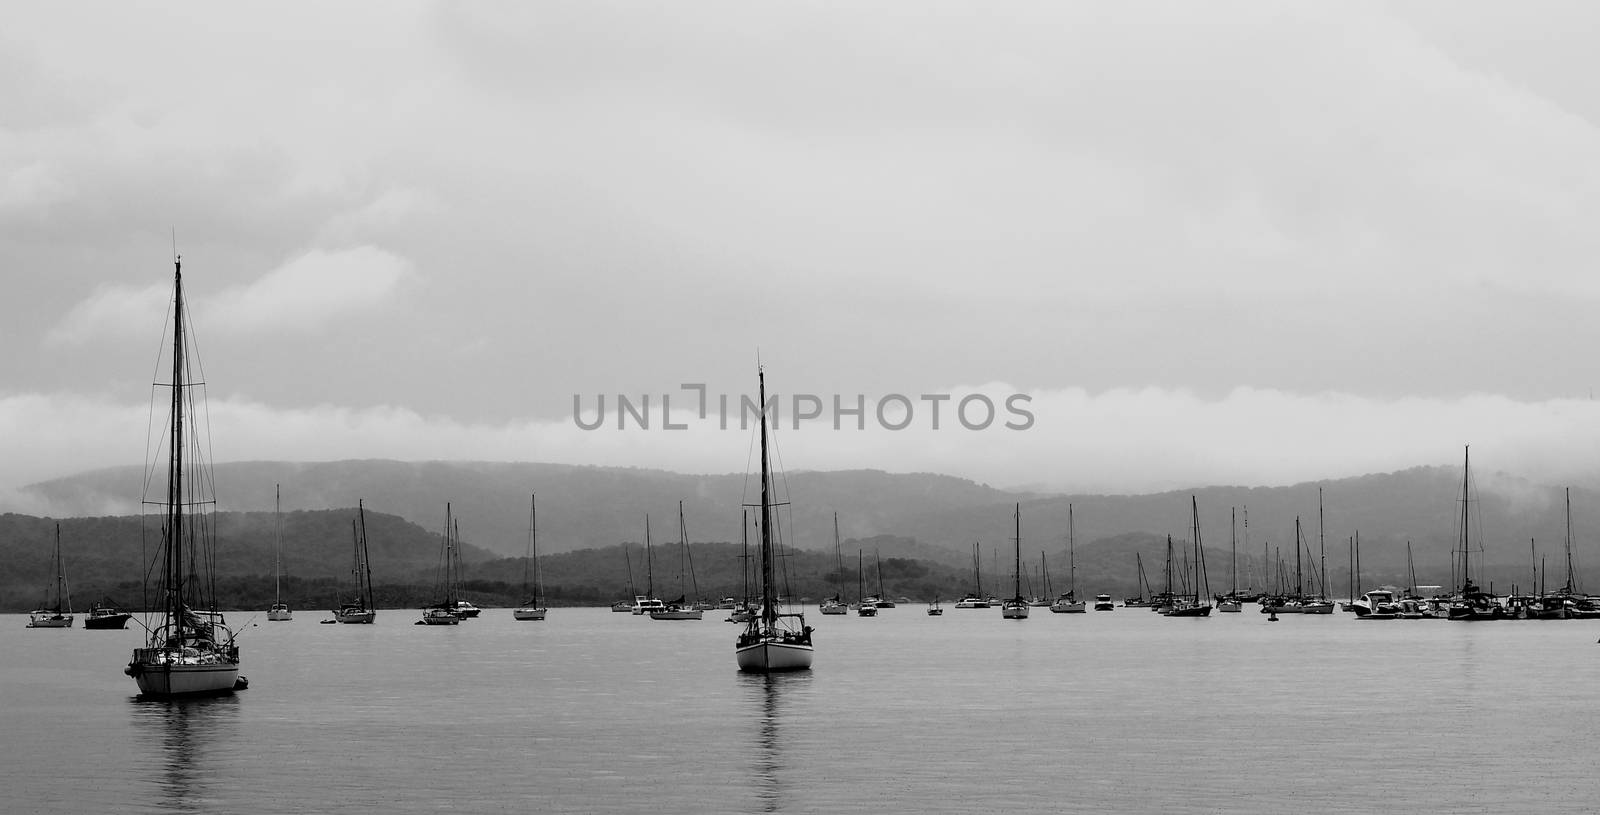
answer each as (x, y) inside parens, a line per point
(590, 507)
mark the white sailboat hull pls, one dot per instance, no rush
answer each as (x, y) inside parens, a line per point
(180, 677)
(49, 620)
(528, 613)
(772, 655)
(1016, 612)
(355, 617)
(279, 615)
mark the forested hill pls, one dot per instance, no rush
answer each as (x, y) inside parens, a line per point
(1522, 524)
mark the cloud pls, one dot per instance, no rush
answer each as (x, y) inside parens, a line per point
(303, 295)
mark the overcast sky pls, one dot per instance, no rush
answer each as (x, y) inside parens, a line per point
(1246, 243)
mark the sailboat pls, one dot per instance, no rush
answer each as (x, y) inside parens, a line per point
(1191, 605)
(1318, 602)
(1231, 603)
(742, 613)
(1471, 602)
(360, 610)
(976, 599)
(836, 604)
(682, 608)
(191, 650)
(279, 613)
(531, 583)
(1068, 603)
(445, 611)
(626, 606)
(772, 641)
(1017, 607)
(881, 600)
(868, 607)
(58, 614)
(1141, 601)
(647, 602)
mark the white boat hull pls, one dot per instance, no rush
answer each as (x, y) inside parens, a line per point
(187, 680)
(770, 656)
(279, 615)
(528, 613)
(355, 617)
(1068, 608)
(1018, 612)
(50, 621)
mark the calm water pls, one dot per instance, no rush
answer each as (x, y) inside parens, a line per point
(596, 712)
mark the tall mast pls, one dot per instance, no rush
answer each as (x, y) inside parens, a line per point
(1299, 541)
(877, 566)
(364, 573)
(527, 567)
(277, 541)
(175, 599)
(1233, 553)
(1072, 558)
(1016, 576)
(1466, 539)
(649, 563)
(838, 556)
(61, 573)
(769, 609)
(1569, 589)
(1194, 507)
(1322, 547)
(977, 565)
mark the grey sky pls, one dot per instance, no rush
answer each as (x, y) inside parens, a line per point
(1238, 242)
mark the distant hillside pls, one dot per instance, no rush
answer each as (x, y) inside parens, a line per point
(109, 557)
(579, 507)
(937, 519)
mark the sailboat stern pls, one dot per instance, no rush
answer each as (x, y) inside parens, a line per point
(774, 654)
(187, 671)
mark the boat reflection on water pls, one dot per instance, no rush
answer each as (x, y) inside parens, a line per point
(188, 734)
(770, 698)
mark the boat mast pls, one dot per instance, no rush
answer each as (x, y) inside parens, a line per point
(61, 574)
(1194, 506)
(527, 566)
(1016, 576)
(861, 577)
(1168, 591)
(744, 554)
(978, 569)
(364, 573)
(769, 608)
(1072, 558)
(1569, 589)
(1233, 553)
(277, 543)
(649, 563)
(688, 558)
(1466, 540)
(175, 581)
(877, 566)
(1322, 547)
(838, 556)
(1299, 541)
